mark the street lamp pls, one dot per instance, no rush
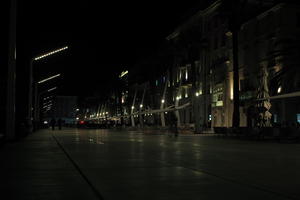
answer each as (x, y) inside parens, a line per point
(31, 80)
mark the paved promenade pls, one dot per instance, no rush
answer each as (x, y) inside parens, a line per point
(113, 165)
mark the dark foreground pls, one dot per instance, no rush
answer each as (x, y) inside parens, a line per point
(102, 164)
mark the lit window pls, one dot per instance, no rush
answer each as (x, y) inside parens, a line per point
(298, 118)
(156, 82)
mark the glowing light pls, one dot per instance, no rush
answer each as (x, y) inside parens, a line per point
(141, 105)
(197, 94)
(106, 113)
(77, 109)
(123, 74)
(279, 89)
(51, 53)
(132, 107)
(77, 118)
(51, 89)
(45, 122)
(186, 75)
(47, 79)
(231, 85)
(162, 101)
(186, 93)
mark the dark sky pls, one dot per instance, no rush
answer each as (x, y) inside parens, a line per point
(104, 37)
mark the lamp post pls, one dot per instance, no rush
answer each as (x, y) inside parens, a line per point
(32, 60)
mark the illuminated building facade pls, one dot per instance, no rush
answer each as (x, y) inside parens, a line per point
(192, 75)
(200, 70)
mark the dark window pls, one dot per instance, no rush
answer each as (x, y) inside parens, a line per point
(216, 43)
(298, 20)
(223, 42)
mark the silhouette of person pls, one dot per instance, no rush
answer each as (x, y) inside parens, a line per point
(173, 123)
(52, 123)
(59, 123)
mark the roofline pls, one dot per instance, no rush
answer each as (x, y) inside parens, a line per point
(200, 13)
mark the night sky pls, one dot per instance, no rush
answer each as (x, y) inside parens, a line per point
(104, 37)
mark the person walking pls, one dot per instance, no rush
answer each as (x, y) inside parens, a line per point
(52, 123)
(173, 123)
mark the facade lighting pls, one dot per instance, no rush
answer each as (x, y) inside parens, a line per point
(186, 75)
(51, 89)
(51, 53)
(123, 74)
(47, 79)
(279, 89)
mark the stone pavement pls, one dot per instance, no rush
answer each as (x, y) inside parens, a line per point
(107, 164)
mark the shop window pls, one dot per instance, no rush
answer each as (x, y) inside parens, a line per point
(216, 43)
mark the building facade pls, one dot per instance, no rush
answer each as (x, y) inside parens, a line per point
(192, 76)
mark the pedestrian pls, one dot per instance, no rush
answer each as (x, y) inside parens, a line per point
(52, 123)
(59, 123)
(173, 123)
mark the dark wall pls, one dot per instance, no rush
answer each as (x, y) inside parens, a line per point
(4, 23)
